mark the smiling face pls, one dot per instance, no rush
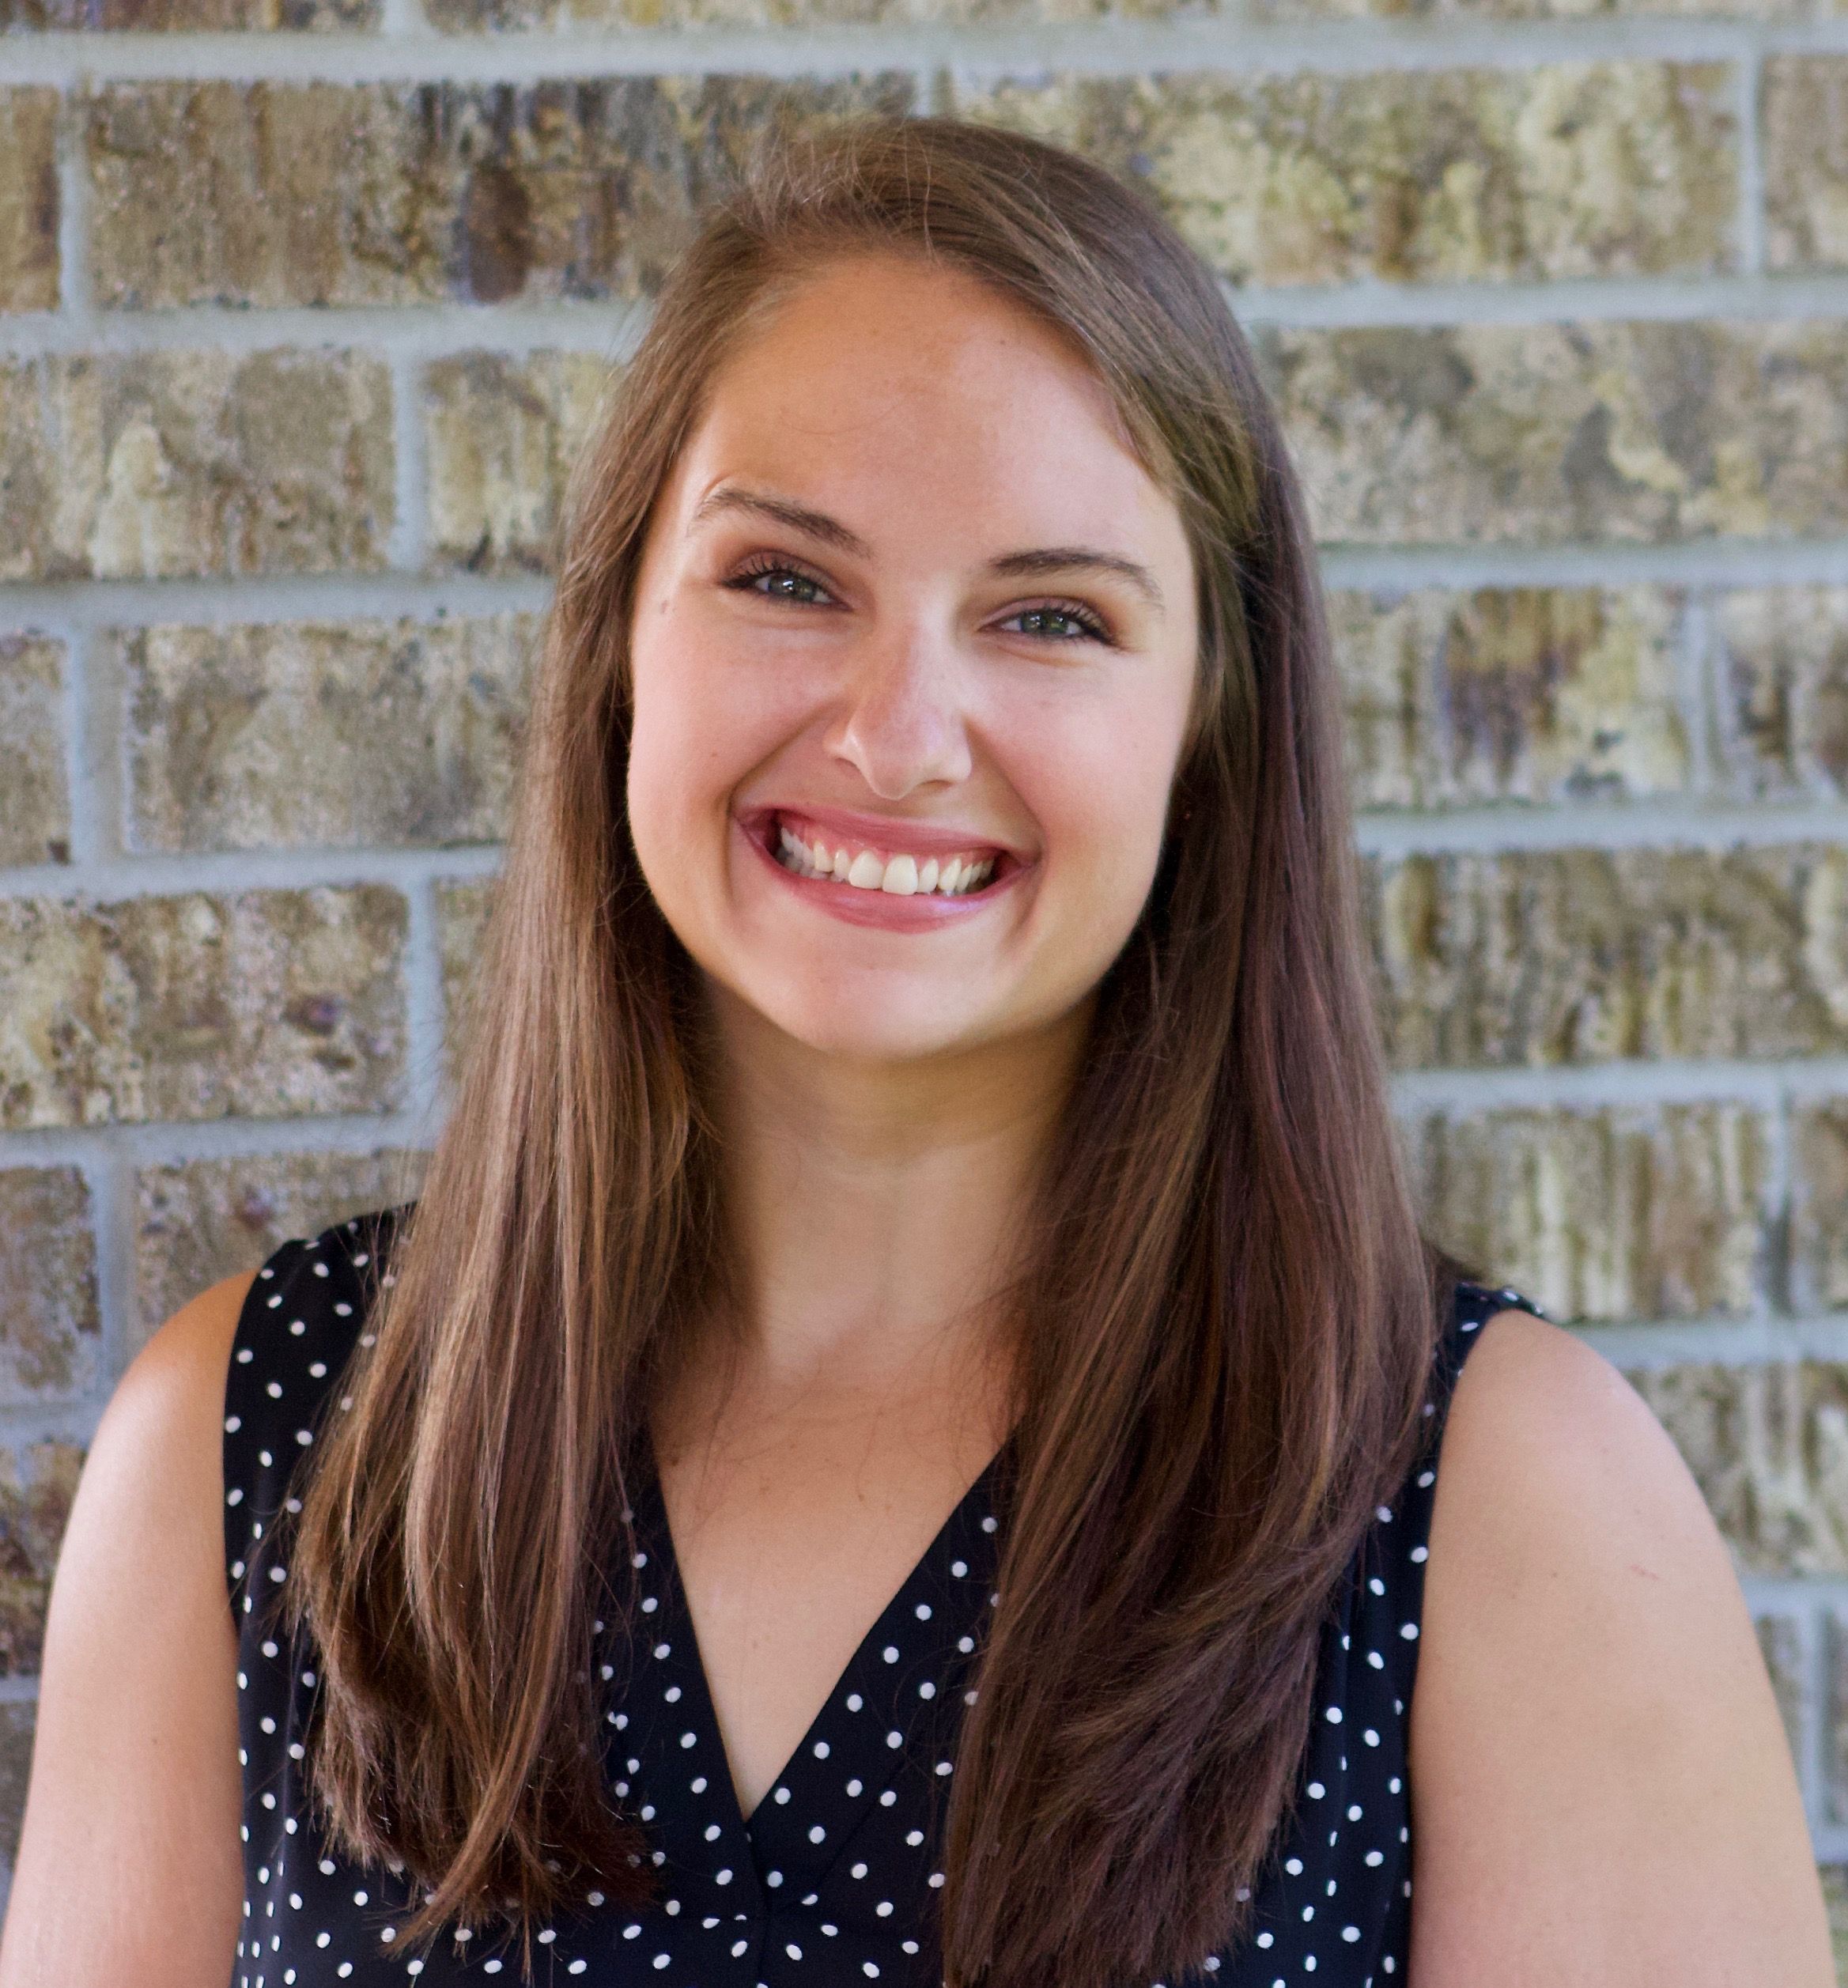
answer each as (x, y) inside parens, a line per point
(913, 647)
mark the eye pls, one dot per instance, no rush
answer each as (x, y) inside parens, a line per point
(789, 581)
(1078, 616)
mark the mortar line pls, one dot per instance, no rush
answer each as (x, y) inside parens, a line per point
(113, 1202)
(409, 548)
(1487, 830)
(1716, 564)
(604, 328)
(1697, 694)
(73, 212)
(1749, 90)
(411, 51)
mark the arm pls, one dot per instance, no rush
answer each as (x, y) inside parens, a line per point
(1603, 1797)
(129, 1865)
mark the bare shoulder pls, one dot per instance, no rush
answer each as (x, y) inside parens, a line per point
(180, 1371)
(134, 1763)
(1601, 1788)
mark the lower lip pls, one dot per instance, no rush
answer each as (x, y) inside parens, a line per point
(923, 911)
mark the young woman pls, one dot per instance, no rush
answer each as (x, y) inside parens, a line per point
(899, 1440)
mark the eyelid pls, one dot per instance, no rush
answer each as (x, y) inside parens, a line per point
(1095, 626)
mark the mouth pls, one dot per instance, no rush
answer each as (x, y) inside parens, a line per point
(906, 862)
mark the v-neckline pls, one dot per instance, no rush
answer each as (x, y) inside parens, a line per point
(959, 1556)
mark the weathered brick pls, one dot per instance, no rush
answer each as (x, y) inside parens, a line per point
(1781, 691)
(198, 1221)
(18, 1718)
(1445, 11)
(1574, 956)
(143, 465)
(463, 904)
(1768, 1445)
(472, 16)
(1527, 693)
(50, 1330)
(1834, 1882)
(1781, 1642)
(1547, 432)
(1627, 1212)
(1803, 105)
(261, 1005)
(1562, 170)
(583, 187)
(1819, 1205)
(35, 795)
(28, 199)
(335, 734)
(143, 16)
(37, 1485)
(1835, 1736)
(501, 435)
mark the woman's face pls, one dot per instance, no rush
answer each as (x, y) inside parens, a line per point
(913, 649)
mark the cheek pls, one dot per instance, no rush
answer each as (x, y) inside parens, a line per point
(701, 722)
(1100, 789)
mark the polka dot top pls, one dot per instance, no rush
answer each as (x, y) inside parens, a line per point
(831, 1881)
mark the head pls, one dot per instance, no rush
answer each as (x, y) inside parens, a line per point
(913, 655)
(940, 516)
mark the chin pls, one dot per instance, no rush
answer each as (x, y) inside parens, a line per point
(862, 1025)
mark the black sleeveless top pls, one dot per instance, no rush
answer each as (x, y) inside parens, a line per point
(830, 1880)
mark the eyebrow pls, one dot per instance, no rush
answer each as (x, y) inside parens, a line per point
(830, 531)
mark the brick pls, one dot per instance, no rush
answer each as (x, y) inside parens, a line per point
(50, 1329)
(198, 1221)
(1804, 106)
(335, 735)
(499, 435)
(1768, 1445)
(1460, 11)
(1553, 957)
(1819, 1216)
(1836, 1735)
(463, 904)
(471, 17)
(1525, 693)
(28, 199)
(1780, 675)
(37, 1482)
(1543, 433)
(1781, 1644)
(1643, 1212)
(262, 1003)
(18, 1719)
(1567, 169)
(35, 796)
(147, 465)
(583, 187)
(144, 16)
(1834, 1883)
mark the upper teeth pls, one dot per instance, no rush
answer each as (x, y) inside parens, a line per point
(903, 875)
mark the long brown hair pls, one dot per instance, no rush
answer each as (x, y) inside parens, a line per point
(1227, 1313)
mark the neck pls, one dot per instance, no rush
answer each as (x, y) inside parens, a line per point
(877, 1208)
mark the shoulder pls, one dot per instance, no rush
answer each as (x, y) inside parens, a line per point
(135, 1766)
(1601, 1786)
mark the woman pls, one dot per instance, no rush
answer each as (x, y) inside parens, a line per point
(899, 1440)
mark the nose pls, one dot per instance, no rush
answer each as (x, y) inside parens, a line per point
(904, 728)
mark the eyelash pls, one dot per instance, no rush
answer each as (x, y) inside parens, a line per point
(763, 563)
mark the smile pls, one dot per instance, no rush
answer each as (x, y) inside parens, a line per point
(899, 873)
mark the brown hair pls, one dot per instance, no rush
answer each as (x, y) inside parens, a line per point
(1228, 1313)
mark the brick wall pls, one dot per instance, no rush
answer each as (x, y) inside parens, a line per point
(304, 302)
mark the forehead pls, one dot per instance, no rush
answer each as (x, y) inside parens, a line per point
(883, 385)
